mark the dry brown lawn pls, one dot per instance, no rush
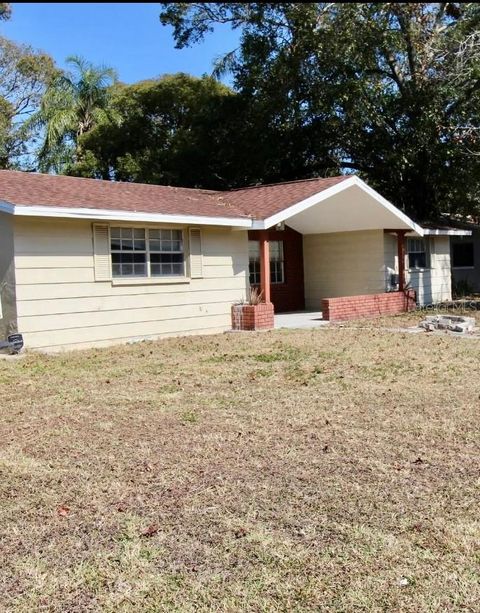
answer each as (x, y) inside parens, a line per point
(332, 470)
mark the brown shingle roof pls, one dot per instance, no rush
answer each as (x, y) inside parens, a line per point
(265, 200)
(34, 189)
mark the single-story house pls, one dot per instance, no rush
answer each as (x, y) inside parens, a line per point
(86, 262)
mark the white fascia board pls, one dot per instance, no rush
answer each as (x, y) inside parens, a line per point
(107, 215)
(440, 232)
(299, 207)
(389, 206)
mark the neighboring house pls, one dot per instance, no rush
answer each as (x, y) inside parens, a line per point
(465, 258)
(464, 241)
(87, 262)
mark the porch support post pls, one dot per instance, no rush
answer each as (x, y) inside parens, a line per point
(401, 259)
(265, 266)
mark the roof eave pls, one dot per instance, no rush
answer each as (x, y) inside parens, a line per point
(118, 215)
(299, 207)
(445, 232)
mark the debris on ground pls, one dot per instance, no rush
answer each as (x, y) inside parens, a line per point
(452, 323)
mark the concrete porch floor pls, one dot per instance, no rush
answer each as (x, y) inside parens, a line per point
(300, 319)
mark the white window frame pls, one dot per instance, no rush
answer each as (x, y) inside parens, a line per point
(426, 251)
(149, 277)
(256, 262)
(280, 261)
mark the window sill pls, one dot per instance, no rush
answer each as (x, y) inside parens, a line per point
(151, 281)
(419, 269)
(463, 267)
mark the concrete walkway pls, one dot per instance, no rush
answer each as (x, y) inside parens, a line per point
(301, 319)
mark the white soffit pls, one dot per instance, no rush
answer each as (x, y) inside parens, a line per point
(348, 206)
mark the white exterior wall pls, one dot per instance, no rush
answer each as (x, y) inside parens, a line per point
(433, 284)
(343, 264)
(59, 303)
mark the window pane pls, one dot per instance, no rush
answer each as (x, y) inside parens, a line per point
(128, 252)
(274, 250)
(254, 249)
(154, 234)
(254, 272)
(129, 264)
(462, 254)
(123, 258)
(166, 258)
(166, 264)
(417, 260)
(276, 272)
(140, 270)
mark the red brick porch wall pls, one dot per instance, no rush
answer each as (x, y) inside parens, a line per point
(368, 305)
(252, 317)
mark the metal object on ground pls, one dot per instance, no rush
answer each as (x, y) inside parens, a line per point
(14, 342)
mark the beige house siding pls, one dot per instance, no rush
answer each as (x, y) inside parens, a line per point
(8, 312)
(434, 285)
(343, 264)
(60, 304)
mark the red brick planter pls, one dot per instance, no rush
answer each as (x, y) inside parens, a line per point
(368, 305)
(252, 316)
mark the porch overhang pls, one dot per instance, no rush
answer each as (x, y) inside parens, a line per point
(348, 206)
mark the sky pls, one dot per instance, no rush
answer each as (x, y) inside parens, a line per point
(125, 36)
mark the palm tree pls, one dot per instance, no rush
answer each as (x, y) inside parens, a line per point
(71, 106)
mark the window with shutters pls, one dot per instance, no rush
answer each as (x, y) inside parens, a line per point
(147, 252)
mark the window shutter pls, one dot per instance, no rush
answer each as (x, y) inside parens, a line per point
(101, 252)
(196, 264)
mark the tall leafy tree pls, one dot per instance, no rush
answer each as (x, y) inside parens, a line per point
(175, 130)
(24, 76)
(71, 106)
(390, 90)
